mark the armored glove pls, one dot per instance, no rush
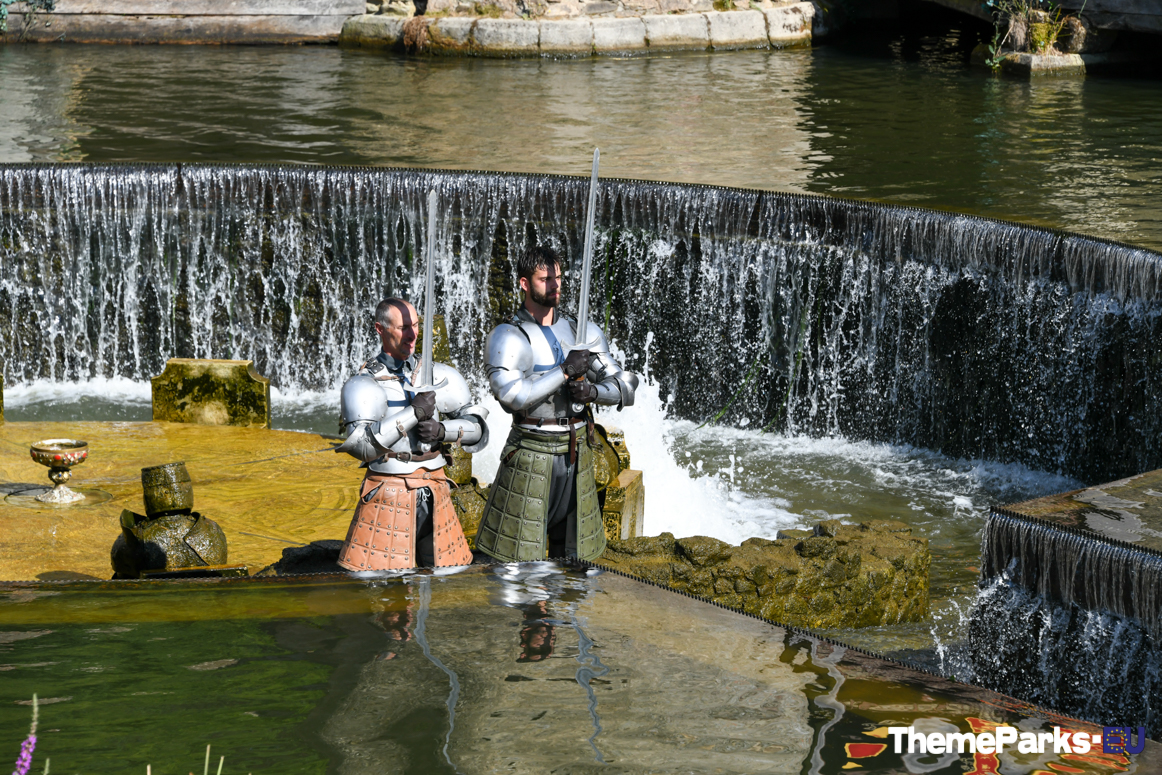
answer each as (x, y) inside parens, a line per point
(576, 364)
(582, 391)
(424, 405)
(430, 431)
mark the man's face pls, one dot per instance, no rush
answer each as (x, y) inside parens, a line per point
(399, 335)
(544, 287)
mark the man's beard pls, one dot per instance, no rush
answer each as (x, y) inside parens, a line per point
(545, 300)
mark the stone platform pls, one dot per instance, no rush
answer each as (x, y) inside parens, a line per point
(268, 490)
(1098, 549)
(778, 27)
(1127, 510)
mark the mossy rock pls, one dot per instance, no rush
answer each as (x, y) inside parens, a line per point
(211, 392)
(837, 575)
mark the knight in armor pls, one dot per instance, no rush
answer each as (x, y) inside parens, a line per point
(405, 517)
(544, 498)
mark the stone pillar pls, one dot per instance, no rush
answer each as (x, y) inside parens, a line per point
(211, 392)
(624, 505)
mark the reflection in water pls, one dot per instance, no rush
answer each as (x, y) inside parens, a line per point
(591, 668)
(827, 657)
(681, 686)
(896, 114)
(425, 595)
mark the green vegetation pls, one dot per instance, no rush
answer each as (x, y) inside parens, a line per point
(31, 8)
(1024, 25)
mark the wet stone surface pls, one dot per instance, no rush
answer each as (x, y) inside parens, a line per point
(838, 575)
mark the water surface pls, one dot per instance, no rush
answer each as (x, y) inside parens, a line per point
(897, 115)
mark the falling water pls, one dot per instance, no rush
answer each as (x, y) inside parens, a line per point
(808, 315)
(1068, 621)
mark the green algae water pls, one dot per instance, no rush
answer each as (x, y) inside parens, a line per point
(534, 668)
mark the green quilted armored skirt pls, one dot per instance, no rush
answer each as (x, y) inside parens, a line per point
(513, 526)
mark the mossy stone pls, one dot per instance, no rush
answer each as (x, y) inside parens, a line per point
(166, 543)
(837, 576)
(167, 489)
(211, 392)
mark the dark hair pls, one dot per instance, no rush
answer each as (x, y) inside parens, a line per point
(534, 258)
(383, 306)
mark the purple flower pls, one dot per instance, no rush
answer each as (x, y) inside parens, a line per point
(24, 763)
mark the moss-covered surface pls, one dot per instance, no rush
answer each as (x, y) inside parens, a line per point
(211, 392)
(840, 575)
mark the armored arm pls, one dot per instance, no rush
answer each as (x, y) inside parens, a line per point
(615, 386)
(369, 429)
(509, 357)
(463, 420)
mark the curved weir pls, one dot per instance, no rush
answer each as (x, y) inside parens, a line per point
(810, 315)
(762, 310)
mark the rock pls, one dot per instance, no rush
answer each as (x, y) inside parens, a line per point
(599, 8)
(211, 392)
(370, 8)
(378, 31)
(686, 31)
(618, 36)
(738, 29)
(1080, 37)
(469, 501)
(838, 575)
(507, 37)
(449, 35)
(403, 8)
(166, 543)
(567, 38)
(315, 557)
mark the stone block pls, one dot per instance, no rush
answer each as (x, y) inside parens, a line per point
(625, 506)
(507, 37)
(449, 36)
(790, 25)
(1034, 65)
(211, 392)
(568, 37)
(372, 31)
(841, 575)
(678, 32)
(618, 36)
(738, 29)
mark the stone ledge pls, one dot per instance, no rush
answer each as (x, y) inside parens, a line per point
(779, 27)
(838, 575)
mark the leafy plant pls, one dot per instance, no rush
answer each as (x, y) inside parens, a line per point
(1025, 25)
(31, 7)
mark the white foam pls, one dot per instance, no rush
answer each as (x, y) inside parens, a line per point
(120, 390)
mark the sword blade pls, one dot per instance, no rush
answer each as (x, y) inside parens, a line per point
(427, 366)
(587, 256)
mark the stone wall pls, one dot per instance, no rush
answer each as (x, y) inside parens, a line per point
(571, 29)
(838, 575)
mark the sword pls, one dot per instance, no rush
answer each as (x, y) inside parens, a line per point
(427, 365)
(587, 263)
(586, 271)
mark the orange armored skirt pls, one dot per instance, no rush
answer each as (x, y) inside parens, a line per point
(382, 535)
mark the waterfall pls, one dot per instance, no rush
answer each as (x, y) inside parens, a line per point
(1067, 620)
(975, 337)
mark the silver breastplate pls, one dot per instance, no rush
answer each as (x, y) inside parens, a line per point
(409, 444)
(546, 356)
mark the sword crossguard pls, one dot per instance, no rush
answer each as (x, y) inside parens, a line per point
(426, 388)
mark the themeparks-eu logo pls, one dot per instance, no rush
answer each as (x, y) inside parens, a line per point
(1111, 740)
